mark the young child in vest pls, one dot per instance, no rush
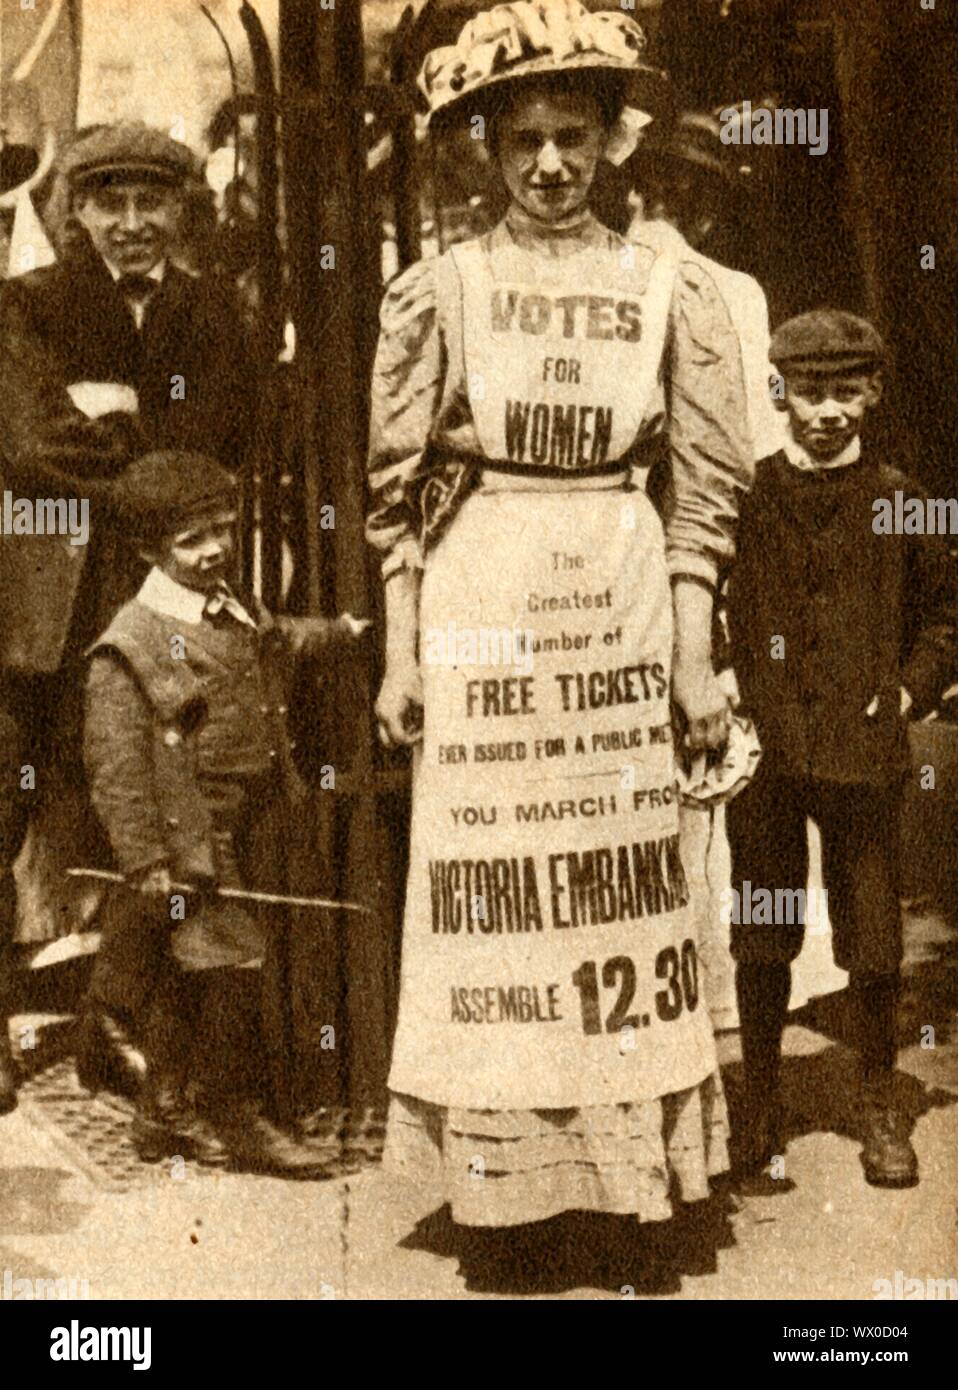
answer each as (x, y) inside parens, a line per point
(841, 631)
(190, 772)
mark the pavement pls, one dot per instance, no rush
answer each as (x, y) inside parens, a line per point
(818, 1231)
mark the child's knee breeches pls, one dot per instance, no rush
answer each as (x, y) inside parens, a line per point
(770, 907)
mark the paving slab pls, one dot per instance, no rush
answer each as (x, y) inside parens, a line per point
(818, 1232)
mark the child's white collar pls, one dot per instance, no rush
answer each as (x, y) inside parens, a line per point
(799, 457)
(165, 596)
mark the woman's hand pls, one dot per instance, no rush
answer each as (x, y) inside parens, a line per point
(695, 687)
(698, 693)
(399, 707)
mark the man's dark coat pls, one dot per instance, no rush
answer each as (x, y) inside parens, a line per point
(69, 323)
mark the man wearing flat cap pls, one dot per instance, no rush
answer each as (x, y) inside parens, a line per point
(108, 354)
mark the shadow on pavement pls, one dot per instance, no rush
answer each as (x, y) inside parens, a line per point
(583, 1250)
(31, 1205)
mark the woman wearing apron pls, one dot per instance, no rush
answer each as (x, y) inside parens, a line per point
(553, 1051)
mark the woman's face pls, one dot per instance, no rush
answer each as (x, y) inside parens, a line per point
(548, 146)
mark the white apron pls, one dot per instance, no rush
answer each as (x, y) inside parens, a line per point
(548, 952)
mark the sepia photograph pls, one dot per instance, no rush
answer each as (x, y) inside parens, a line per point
(479, 667)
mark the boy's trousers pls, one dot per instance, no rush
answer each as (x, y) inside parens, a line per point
(859, 827)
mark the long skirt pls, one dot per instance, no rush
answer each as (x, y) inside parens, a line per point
(553, 1050)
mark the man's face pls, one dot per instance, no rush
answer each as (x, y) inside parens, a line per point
(200, 556)
(825, 412)
(548, 147)
(132, 223)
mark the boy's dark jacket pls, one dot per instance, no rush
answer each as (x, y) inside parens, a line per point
(156, 720)
(825, 616)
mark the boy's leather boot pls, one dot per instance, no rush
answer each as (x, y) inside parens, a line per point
(230, 1051)
(762, 989)
(256, 1145)
(165, 1124)
(152, 1133)
(106, 1060)
(887, 1156)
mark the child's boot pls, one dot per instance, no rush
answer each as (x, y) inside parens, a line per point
(164, 1123)
(887, 1156)
(153, 1134)
(230, 1066)
(762, 989)
(106, 1060)
(165, 1126)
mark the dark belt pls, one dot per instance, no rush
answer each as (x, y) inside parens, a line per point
(533, 470)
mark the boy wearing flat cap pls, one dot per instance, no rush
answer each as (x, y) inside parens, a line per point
(839, 636)
(191, 773)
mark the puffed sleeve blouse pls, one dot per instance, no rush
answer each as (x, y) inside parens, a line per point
(421, 427)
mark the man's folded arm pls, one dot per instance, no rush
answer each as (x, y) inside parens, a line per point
(48, 444)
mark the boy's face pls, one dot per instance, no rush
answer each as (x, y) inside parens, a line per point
(200, 555)
(825, 410)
